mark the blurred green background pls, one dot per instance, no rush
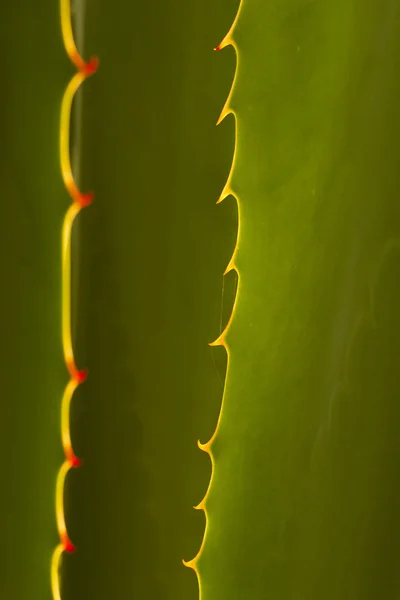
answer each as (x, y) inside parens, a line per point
(148, 277)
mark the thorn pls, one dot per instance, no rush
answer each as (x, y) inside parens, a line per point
(81, 376)
(75, 461)
(200, 506)
(227, 41)
(69, 546)
(224, 113)
(224, 194)
(204, 447)
(85, 199)
(75, 374)
(91, 67)
(231, 265)
(188, 563)
(218, 342)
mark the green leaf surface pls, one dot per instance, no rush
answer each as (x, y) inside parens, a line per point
(34, 71)
(303, 502)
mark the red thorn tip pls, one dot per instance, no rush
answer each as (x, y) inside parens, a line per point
(217, 48)
(92, 66)
(68, 546)
(81, 375)
(86, 199)
(75, 461)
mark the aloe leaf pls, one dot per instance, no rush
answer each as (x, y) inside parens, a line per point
(302, 502)
(34, 73)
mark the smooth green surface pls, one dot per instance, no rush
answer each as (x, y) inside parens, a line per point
(153, 248)
(304, 501)
(34, 73)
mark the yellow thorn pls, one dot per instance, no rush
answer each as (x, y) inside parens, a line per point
(191, 564)
(200, 506)
(227, 41)
(188, 563)
(205, 447)
(231, 265)
(225, 112)
(225, 193)
(219, 341)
